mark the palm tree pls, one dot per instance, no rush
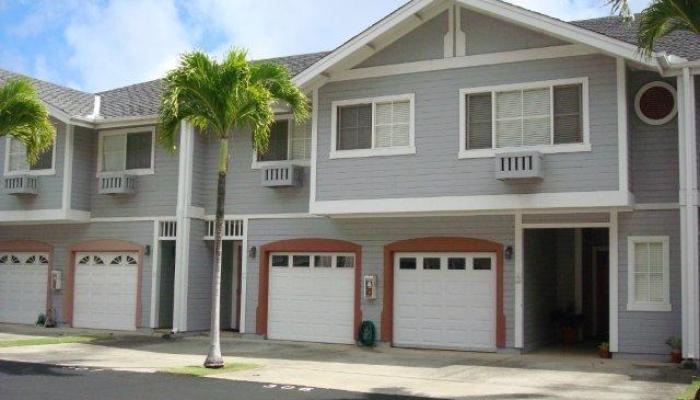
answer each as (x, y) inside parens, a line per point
(24, 117)
(661, 18)
(217, 98)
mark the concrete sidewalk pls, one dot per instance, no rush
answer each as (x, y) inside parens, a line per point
(439, 374)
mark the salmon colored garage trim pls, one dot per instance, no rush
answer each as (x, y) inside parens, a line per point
(440, 245)
(96, 246)
(32, 246)
(304, 246)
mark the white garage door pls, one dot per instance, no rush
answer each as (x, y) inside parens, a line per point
(445, 300)
(311, 297)
(23, 286)
(105, 291)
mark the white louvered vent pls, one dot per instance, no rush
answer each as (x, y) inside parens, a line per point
(288, 175)
(116, 183)
(233, 230)
(168, 230)
(519, 165)
(21, 185)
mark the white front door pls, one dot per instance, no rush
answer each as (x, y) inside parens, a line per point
(311, 297)
(105, 291)
(23, 286)
(445, 300)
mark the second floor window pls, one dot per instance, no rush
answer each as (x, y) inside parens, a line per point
(16, 156)
(381, 126)
(547, 115)
(126, 151)
(288, 141)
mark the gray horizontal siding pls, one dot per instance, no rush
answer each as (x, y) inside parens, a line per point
(84, 167)
(654, 150)
(156, 194)
(199, 279)
(646, 332)
(63, 236)
(244, 192)
(566, 218)
(50, 186)
(435, 169)
(373, 235)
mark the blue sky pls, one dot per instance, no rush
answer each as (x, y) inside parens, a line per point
(95, 45)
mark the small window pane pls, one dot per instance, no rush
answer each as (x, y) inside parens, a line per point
(354, 127)
(482, 264)
(323, 261)
(301, 141)
(392, 124)
(345, 262)
(45, 160)
(457, 263)
(407, 263)
(113, 153)
(568, 121)
(277, 148)
(138, 150)
(431, 263)
(280, 261)
(301, 261)
(479, 121)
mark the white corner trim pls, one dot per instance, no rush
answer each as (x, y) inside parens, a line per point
(613, 261)
(507, 57)
(638, 103)
(66, 198)
(472, 203)
(622, 124)
(374, 151)
(314, 147)
(114, 132)
(632, 304)
(519, 280)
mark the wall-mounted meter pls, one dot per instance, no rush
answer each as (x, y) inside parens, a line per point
(370, 287)
(56, 281)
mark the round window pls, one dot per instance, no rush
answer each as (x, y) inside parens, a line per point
(656, 103)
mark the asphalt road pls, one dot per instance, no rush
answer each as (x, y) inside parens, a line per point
(24, 381)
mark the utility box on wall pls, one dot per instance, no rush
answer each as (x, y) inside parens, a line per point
(370, 287)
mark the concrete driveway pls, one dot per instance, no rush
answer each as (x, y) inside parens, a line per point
(439, 374)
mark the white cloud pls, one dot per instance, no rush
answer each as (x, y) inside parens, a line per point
(126, 42)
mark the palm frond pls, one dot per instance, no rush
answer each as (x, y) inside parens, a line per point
(622, 8)
(665, 16)
(24, 117)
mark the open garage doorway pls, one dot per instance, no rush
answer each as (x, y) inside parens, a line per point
(566, 289)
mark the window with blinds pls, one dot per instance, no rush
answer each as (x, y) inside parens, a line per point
(128, 151)
(381, 124)
(288, 141)
(648, 280)
(544, 116)
(17, 158)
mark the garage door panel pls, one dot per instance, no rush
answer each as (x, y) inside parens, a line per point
(105, 291)
(443, 308)
(23, 286)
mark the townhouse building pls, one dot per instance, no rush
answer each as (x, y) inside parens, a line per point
(473, 173)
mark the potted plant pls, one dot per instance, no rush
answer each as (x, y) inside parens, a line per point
(676, 345)
(604, 350)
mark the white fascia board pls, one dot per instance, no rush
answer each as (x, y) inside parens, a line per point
(473, 203)
(44, 216)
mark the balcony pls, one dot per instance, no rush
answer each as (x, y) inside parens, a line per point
(522, 165)
(116, 183)
(20, 185)
(288, 175)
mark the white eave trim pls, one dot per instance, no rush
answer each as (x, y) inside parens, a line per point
(58, 215)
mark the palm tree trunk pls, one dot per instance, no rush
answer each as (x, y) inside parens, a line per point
(214, 358)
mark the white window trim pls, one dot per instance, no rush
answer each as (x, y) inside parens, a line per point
(312, 261)
(36, 172)
(140, 171)
(265, 164)
(633, 305)
(545, 149)
(638, 100)
(373, 152)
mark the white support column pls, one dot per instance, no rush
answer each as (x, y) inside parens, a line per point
(244, 276)
(66, 197)
(182, 242)
(519, 280)
(614, 245)
(622, 126)
(688, 199)
(155, 275)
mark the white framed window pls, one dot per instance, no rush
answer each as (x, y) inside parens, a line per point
(648, 283)
(16, 160)
(126, 150)
(379, 126)
(307, 261)
(288, 142)
(548, 116)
